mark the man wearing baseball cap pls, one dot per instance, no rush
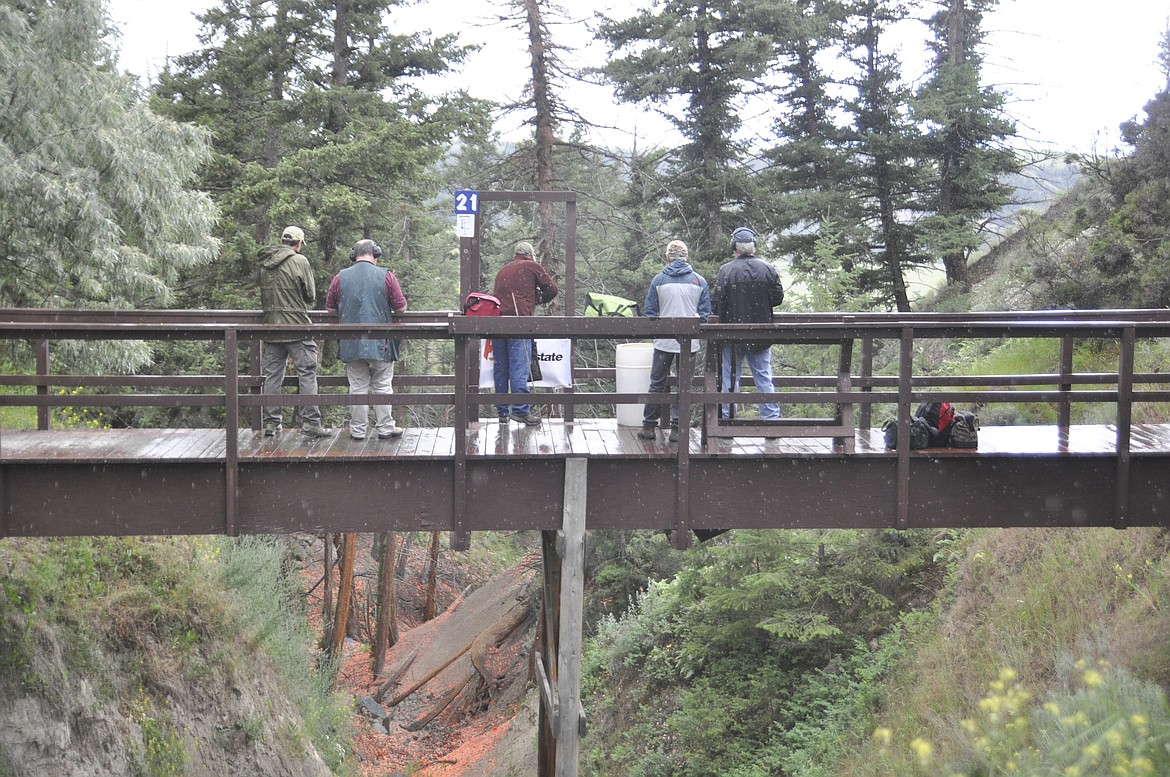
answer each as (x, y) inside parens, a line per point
(287, 291)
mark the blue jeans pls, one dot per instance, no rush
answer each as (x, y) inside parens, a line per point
(760, 364)
(659, 374)
(510, 369)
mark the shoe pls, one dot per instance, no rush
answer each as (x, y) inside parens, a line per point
(390, 435)
(674, 434)
(271, 429)
(504, 418)
(528, 419)
(648, 433)
(316, 430)
(357, 437)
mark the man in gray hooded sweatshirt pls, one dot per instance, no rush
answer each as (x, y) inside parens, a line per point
(676, 292)
(286, 292)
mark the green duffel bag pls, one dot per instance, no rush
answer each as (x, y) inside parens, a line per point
(609, 305)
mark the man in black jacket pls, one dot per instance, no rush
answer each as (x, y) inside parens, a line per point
(746, 290)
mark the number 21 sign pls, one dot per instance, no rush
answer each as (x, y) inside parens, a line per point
(466, 208)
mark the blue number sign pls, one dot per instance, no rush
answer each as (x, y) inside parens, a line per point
(466, 203)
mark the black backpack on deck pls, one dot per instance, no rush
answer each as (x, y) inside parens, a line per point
(920, 433)
(939, 417)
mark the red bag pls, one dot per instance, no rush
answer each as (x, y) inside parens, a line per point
(480, 304)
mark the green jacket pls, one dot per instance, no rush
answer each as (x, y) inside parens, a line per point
(286, 285)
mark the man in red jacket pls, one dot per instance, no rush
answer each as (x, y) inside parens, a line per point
(521, 285)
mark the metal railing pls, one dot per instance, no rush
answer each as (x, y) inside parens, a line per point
(856, 335)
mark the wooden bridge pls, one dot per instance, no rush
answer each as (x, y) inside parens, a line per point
(473, 474)
(575, 473)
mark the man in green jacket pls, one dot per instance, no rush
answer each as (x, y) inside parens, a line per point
(286, 292)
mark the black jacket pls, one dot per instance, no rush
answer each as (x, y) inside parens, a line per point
(746, 290)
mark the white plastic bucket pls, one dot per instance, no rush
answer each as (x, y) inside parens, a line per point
(632, 365)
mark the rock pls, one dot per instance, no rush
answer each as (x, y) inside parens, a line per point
(372, 708)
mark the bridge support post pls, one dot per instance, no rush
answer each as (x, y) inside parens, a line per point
(562, 716)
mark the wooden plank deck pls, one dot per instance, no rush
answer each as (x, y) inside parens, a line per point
(594, 438)
(168, 481)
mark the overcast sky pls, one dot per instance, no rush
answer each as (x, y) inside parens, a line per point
(1073, 73)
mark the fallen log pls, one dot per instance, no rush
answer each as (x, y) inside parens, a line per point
(396, 675)
(515, 613)
(495, 635)
(438, 708)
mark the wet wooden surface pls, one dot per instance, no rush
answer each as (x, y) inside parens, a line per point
(594, 438)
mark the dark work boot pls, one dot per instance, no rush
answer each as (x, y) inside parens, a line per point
(674, 434)
(647, 433)
(528, 419)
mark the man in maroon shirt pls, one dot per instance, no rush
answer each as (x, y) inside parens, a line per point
(521, 285)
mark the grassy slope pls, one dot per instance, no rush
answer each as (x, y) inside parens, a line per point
(159, 657)
(1031, 600)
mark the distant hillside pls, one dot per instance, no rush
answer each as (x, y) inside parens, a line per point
(1040, 183)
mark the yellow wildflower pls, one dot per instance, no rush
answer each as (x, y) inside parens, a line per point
(922, 749)
(1142, 765)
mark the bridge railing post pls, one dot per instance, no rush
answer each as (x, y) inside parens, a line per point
(905, 392)
(1064, 407)
(42, 357)
(865, 412)
(255, 415)
(231, 388)
(460, 537)
(1124, 420)
(680, 536)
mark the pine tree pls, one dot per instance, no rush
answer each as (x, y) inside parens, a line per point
(885, 145)
(94, 205)
(708, 56)
(317, 121)
(806, 185)
(966, 136)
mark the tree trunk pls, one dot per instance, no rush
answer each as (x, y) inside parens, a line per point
(893, 250)
(955, 262)
(707, 106)
(278, 74)
(432, 578)
(338, 114)
(544, 103)
(344, 594)
(327, 565)
(385, 628)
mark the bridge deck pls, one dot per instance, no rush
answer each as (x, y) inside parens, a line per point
(185, 481)
(594, 438)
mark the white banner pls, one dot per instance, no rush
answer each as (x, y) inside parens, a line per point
(555, 368)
